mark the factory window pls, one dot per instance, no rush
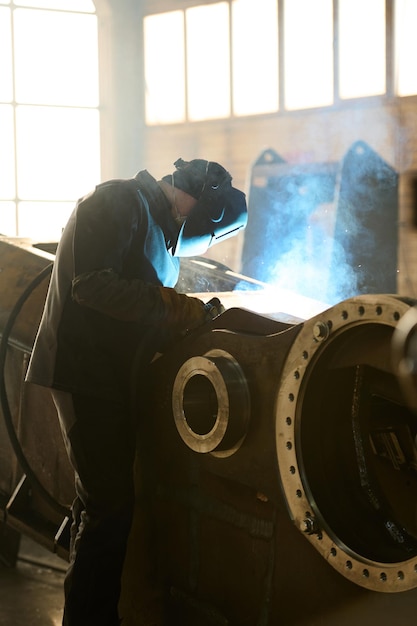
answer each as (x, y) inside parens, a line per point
(164, 67)
(196, 64)
(255, 57)
(361, 48)
(49, 117)
(208, 76)
(406, 47)
(308, 53)
(238, 57)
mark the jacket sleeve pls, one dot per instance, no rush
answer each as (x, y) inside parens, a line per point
(137, 301)
(105, 226)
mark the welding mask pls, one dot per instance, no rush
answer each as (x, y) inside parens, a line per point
(220, 211)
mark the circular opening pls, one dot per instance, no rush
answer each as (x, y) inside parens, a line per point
(200, 404)
(356, 445)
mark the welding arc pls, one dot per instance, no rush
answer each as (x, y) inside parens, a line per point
(24, 463)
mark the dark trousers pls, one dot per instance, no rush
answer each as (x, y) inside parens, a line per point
(101, 446)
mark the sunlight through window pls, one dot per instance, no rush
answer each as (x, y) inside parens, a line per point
(208, 61)
(67, 76)
(58, 152)
(49, 117)
(84, 6)
(43, 221)
(6, 75)
(255, 56)
(8, 219)
(7, 173)
(308, 46)
(164, 68)
(361, 48)
(406, 47)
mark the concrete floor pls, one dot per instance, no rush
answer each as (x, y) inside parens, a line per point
(31, 594)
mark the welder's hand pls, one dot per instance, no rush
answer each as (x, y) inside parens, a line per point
(180, 312)
(214, 308)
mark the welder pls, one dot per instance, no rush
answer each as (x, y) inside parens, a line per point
(111, 300)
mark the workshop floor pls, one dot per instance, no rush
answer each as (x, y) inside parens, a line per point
(31, 594)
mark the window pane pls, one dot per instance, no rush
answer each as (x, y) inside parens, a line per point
(208, 66)
(164, 67)
(406, 47)
(362, 48)
(86, 6)
(6, 85)
(43, 221)
(308, 53)
(58, 152)
(7, 174)
(56, 58)
(8, 219)
(255, 56)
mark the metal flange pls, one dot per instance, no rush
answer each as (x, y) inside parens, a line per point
(345, 444)
(210, 403)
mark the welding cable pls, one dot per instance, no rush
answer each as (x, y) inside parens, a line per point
(18, 450)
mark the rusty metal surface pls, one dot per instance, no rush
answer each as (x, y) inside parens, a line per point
(314, 508)
(31, 416)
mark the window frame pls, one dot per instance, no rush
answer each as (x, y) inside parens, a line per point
(160, 6)
(13, 202)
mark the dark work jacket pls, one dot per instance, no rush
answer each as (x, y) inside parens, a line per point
(117, 244)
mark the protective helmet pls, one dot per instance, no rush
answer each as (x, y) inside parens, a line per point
(220, 211)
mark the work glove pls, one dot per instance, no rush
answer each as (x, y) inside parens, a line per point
(183, 313)
(214, 308)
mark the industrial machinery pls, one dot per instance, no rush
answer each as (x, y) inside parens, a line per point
(276, 469)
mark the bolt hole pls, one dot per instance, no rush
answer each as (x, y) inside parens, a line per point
(305, 355)
(361, 310)
(291, 397)
(396, 316)
(379, 310)
(299, 493)
(289, 445)
(383, 577)
(292, 469)
(400, 575)
(345, 315)
(296, 375)
(349, 564)
(365, 573)
(333, 551)
(289, 421)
